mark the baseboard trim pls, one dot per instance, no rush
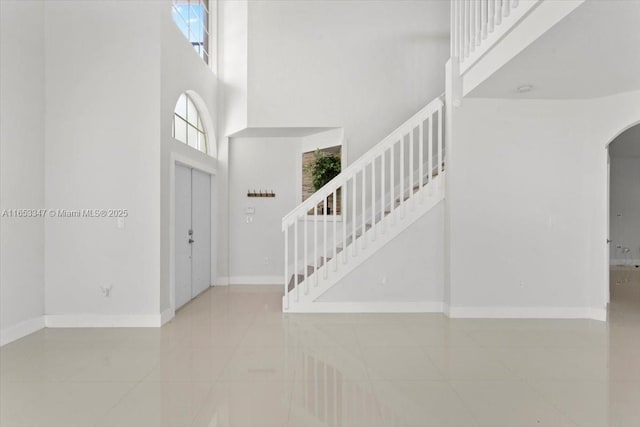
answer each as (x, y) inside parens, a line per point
(601, 314)
(369, 307)
(103, 321)
(20, 330)
(222, 281)
(30, 326)
(256, 280)
(452, 312)
(27, 327)
(166, 316)
(527, 312)
(625, 262)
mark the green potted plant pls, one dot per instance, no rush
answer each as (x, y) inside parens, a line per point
(323, 168)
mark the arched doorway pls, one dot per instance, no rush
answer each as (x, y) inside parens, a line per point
(624, 223)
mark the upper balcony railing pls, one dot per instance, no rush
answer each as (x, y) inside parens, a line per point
(477, 25)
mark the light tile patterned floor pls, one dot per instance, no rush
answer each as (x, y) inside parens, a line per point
(231, 359)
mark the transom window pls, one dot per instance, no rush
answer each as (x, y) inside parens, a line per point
(187, 124)
(192, 17)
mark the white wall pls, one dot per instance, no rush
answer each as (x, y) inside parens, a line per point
(260, 164)
(183, 70)
(267, 163)
(103, 151)
(361, 66)
(625, 197)
(234, 59)
(527, 191)
(232, 102)
(410, 268)
(365, 66)
(21, 167)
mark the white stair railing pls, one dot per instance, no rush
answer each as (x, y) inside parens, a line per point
(382, 182)
(476, 25)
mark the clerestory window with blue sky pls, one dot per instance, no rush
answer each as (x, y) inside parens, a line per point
(192, 18)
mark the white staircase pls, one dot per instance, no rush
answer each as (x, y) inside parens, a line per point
(380, 195)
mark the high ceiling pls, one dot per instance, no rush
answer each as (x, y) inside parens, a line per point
(593, 52)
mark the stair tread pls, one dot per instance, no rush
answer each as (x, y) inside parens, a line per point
(292, 282)
(310, 270)
(324, 260)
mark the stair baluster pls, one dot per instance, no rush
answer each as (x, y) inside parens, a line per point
(370, 193)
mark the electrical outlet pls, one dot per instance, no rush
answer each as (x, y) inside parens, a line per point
(106, 290)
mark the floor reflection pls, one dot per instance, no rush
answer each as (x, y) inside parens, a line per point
(231, 358)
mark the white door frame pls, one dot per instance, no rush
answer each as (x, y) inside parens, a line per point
(608, 208)
(177, 158)
(607, 279)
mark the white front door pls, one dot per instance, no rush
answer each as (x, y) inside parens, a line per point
(192, 234)
(183, 227)
(201, 226)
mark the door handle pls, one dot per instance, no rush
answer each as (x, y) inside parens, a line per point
(191, 241)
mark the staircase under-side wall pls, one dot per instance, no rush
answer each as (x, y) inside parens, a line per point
(363, 208)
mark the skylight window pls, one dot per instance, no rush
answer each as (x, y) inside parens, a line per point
(192, 18)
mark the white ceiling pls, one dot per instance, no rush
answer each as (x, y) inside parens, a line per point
(593, 52)
(627, 144)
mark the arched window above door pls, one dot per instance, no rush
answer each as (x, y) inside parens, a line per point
(188, 126)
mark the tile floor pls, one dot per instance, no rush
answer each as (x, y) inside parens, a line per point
(230, 358)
